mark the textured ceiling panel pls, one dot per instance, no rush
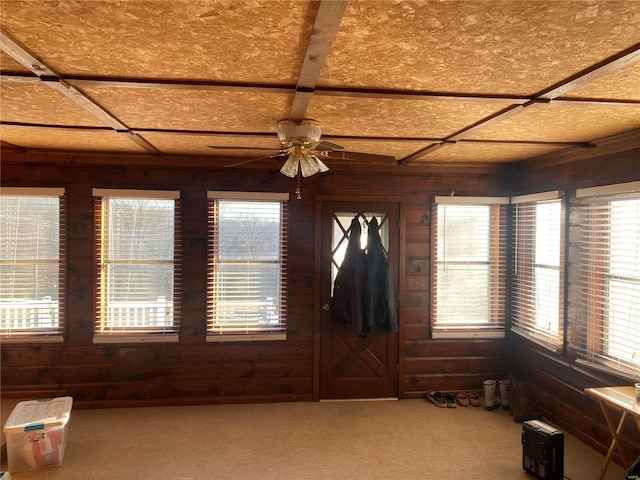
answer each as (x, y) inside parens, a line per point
(37, 103)
(249, 41)
(68, 139)
(465, 153)
(202, 145)
(510, 47)
(396, 118)
(193, 109)
(572, 123)
(396, 149)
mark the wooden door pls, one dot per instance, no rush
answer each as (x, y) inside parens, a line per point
(352, 366)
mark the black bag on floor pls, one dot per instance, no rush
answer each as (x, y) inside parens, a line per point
(634, 471)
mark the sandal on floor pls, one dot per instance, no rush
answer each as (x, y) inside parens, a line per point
(450, 399)
(462, 399)
(474, 399)
(437, 398)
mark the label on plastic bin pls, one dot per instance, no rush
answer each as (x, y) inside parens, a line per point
(45, 446)
(34, 426)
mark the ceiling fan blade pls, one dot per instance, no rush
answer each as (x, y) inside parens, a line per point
(324, 145)
(360, 157)
(244, 162)
(227, 147)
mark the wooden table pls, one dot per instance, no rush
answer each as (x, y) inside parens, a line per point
(622, 399)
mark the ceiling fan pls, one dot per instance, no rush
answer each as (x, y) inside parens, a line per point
(300, 144)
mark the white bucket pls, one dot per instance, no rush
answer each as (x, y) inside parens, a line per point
(489, 394)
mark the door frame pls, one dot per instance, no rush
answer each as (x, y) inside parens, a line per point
(320, 200)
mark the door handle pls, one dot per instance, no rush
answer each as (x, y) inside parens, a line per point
(326, 307)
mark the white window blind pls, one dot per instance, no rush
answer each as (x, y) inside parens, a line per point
(32, 264)
(247, 273)
(470, 265)
(605, 312)
(538, 268)
(139, 265)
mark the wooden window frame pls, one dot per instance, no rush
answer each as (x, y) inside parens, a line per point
(55, 333)
(104, 332)
(524, 297)
(216, 332)
(589, 323)
(497, 268)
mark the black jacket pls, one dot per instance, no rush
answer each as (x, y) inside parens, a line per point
(346, 302)
(378, 302)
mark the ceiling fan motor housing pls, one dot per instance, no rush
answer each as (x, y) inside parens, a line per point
(306, 131)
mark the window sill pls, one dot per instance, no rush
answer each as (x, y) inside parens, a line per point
(255, 337)
(33, 339)
(592, 368)
(106, 338)
(465, 335)
(540, 341)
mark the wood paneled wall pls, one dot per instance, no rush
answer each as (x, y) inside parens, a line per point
(193, 371)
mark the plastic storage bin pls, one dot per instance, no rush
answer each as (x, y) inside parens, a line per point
(36, 433)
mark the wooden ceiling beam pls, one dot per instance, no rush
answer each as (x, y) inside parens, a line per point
(419, 95)
(54, 126)
(382, 139)
(212, 133)
(595, 102)
(527, 143)
(325, 27)
(178, 84)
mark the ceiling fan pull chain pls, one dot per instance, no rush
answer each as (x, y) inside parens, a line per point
(297, 192)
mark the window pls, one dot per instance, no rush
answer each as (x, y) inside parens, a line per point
(32, 264)
(341, 230)
(470, 264)
(538, 268)
(139, 265)
(247, 266)
(605, 318)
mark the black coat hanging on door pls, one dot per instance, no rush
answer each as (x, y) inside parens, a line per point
(346, 303)
(363, 294)
(378, 303)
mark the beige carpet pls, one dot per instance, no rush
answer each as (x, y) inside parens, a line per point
(406, 439)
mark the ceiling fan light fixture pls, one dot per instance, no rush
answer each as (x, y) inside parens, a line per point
(309, 165)
(322, 165)
(290, 167)
(300, 139)
(306, 131)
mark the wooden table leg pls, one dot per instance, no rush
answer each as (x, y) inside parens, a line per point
(615, 432)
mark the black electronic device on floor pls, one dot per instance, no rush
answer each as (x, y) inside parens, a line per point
(542, 450)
